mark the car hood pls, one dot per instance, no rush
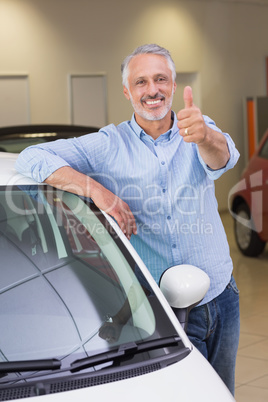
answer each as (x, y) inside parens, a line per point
(190, 380)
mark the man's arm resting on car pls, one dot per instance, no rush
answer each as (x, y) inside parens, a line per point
(68, 179)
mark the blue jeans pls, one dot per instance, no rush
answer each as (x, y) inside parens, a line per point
(214, 330)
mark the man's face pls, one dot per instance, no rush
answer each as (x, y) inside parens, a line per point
(150, 86)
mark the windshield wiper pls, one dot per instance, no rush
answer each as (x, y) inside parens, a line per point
(29, 365)
(127, 349)
(124, 351)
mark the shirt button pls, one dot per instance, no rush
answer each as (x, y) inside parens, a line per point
(164, 190)
(174, 246)
(163, 163)
(155, 144)
(168, 217)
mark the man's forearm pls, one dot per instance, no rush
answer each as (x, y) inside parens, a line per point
(68, 179)
(214, 149)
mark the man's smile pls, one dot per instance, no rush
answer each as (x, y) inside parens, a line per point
(153, 102)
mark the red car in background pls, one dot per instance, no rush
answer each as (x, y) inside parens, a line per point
(248, 203)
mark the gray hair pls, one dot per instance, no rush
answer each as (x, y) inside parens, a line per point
(145, 49)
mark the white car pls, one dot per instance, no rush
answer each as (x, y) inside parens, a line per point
(81, 318)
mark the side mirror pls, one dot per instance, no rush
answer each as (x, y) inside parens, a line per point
(184, 286)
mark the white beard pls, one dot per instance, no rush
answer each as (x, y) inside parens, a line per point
(152, 115)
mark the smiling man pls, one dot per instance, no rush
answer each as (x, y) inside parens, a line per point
(154, 174)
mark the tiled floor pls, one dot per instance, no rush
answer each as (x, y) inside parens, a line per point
(251, 275)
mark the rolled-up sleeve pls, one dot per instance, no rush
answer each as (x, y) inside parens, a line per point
(234, 154)
(84, 154)
(38, 163)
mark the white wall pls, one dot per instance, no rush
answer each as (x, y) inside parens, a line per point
(225, 41)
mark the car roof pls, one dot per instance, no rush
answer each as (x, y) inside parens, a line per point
(8, 173)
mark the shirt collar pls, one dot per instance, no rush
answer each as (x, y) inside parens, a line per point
(163, 137)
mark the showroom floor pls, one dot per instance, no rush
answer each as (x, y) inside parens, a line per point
(251, 275)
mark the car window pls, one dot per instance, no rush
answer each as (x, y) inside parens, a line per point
(264, 150)
(64, 273)
(18, 145)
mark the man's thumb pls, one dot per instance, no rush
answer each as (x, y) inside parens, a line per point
(188, 97)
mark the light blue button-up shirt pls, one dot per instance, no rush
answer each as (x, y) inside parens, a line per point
(166, 184)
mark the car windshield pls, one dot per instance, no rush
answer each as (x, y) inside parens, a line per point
(64, 274)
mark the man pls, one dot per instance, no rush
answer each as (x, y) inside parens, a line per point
(154, 175)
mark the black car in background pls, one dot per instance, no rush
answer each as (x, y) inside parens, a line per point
(16, 138)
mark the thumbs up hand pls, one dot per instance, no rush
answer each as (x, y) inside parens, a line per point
(212, 144)
(190, 120)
